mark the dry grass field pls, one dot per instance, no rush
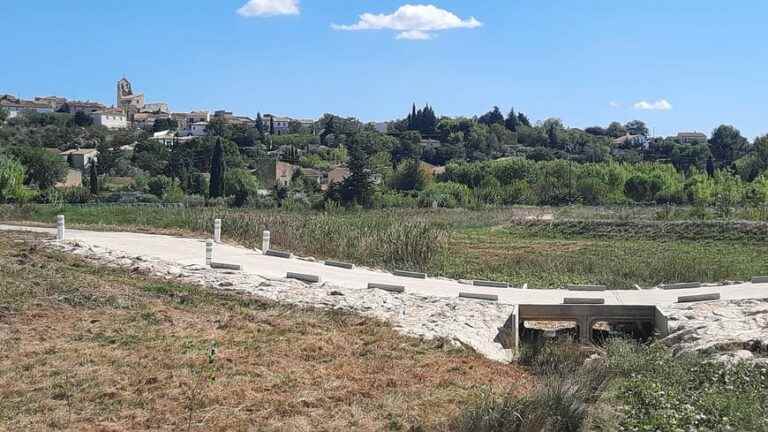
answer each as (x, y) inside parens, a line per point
(101, 349)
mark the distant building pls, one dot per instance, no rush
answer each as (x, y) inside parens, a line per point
(274, 173)
(80, 159)
(110, 119)
(159, 107)
(55, 102)
(73, 107)
(635, 141)
(131, 103)
(166, 138)
(16, 106)
(126, 99)
(691, 138)
(184, 119)
(281, 124)
(198, 129)
(74, 178)
(338, 175)
(317, 176)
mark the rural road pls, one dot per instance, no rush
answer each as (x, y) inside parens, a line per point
(187, 251)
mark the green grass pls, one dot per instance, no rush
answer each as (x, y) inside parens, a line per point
(633, 388)
(522, 254)
(495, 244)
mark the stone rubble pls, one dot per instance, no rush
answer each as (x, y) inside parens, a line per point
(460, 322)
(728, 330)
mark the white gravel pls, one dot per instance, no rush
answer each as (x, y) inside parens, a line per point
(462, 322)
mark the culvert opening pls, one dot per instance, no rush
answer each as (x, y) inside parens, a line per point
(603, 331)
(537, 332)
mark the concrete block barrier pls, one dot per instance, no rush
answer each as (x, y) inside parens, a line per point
(340, 265)
(278, 254)
(385, 287)
(760, 279)
(225, 266)
(490, 284)
(410, 274)
(698, 298)
(583, 301)
(676, 286)
(304, 277)
(586, 287)
(475, 296)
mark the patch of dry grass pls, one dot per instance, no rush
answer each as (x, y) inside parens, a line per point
(92, 348)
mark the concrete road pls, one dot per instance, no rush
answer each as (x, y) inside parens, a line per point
(187, 251)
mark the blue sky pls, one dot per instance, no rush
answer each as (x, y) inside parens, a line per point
(700, 63)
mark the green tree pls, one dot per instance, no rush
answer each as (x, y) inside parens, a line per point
(241, 185)
(43, 168)
(160, 185)
(522, 119)
(259, 123)
(636, 127)
(82, 119)
(11, 180)
(616, 130)
(727, 145)
(358, 188)
(511, 122)
(408, 146)
(643, 188)
(410, 176)
(216, 189)
(493, 116)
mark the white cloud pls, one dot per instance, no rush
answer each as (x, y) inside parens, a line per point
(264, 8)
(614, 104)
(415, 35)
(414, 22)
(659, 105)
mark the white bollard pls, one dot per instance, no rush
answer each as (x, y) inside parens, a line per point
(265, 240)
(60, 227)
(217, 230)
(208, 252)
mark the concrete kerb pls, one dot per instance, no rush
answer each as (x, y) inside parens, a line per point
(698, 298)
(410, 274)
(386, 287)
(60, 230)
(217, 230)
(278, 254)
(225, 266)
(586, 288)
(583, 301)
(476, 296)
(490, 284)
(760, 279)
(685, 285)
(208, 252)
(340, 265)
(304, 277)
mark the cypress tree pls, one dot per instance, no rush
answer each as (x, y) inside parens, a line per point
(94, 183)
(217, 171)
(711, 167)
(511, 121)
(271, 125)
(259, 123)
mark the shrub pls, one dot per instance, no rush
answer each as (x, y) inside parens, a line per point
(241, 185)
(159, 185)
